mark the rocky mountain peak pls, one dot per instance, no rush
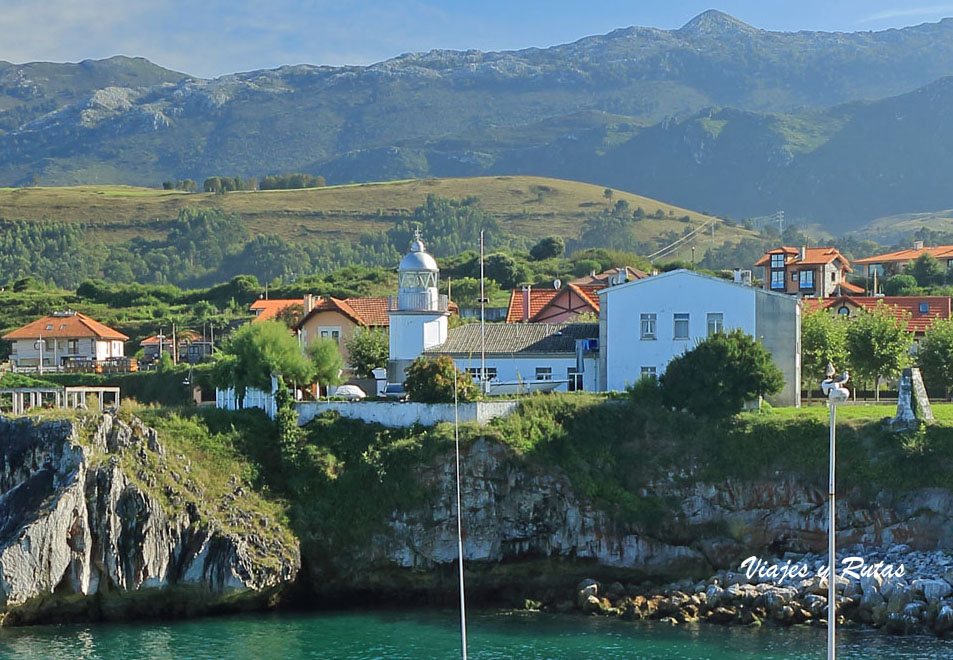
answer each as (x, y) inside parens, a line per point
(714, 23)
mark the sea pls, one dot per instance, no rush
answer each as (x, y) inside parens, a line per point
(424, 634)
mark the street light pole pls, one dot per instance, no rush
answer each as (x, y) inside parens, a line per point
(833, 387)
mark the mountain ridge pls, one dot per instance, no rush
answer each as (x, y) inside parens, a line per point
(127, 121)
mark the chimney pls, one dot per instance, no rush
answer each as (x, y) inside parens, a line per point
(526, 295)
(801, 253)
(918, 245)
(308, 303)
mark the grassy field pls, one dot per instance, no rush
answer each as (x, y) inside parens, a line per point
(526, 206)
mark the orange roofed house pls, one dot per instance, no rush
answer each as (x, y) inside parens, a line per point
(567, 303)
(266, 309)
(921, 311)
(339, 318)
(892, 263)
(819, 272)
(63, 338)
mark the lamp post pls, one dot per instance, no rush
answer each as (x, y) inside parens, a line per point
(40, 345)
(833, 388)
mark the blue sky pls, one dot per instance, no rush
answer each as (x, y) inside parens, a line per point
(215, 37)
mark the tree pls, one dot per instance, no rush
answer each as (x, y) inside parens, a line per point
(466, 290)
(430, 380)
(504, 269)
(326, 361)
(719, 375)
(926, 269)
(878, 344)
(823, 341)
(935, 357)
(607, 193)
(290, 314)
(901, 285)
(368, 349)
(547, 248)
(256, 351)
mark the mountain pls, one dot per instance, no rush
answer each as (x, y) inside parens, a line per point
(740, 109)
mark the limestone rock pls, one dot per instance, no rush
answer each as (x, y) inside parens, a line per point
(72, 524)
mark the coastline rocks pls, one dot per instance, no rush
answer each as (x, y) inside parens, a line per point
(918, 602)
(80, 538)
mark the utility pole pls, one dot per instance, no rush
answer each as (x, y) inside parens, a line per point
(780, 218)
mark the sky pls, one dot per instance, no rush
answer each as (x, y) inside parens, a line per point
(215, 37)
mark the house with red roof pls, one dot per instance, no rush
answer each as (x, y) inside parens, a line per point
(920, 311)
(266, 309)
(62, 338)
(581, 296)
(339, 318)
(819, 272)
(892, 263)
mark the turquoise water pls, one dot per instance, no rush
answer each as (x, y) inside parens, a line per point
(427, 634)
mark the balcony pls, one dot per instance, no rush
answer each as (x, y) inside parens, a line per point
(417, 302)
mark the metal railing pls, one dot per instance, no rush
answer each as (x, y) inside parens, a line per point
(417, 302)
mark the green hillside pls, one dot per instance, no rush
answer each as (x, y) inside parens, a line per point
(526, 206)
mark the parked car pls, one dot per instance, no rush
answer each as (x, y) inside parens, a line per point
(395, 391)
(350, 392)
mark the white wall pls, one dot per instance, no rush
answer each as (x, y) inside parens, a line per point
(522, 368)
(407, 413)
(410, 334)
(26, 354)
(624, 353)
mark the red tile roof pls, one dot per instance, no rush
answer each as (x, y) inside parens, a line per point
(371, 312)
(538, 299)
(940, 252)
(185, 335)
(919, 322)
(817, 256)
(603, 279)
(266, 309)
(66, 325)
(542, 300)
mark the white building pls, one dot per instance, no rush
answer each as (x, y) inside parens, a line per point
(418, 313)
(526, 356)
(645, 323)
(64, 338)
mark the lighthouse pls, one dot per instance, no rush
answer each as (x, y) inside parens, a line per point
(418, 313)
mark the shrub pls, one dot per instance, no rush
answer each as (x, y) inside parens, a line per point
(430, 380)
(720, 374)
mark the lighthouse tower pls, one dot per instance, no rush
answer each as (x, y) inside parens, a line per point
(418, 314)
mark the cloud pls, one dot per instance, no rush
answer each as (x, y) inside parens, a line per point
(889, 14)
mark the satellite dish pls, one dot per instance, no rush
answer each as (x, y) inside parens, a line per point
(557, 283)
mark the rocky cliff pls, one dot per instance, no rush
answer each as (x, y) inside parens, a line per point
(514, 513)
(96, 521)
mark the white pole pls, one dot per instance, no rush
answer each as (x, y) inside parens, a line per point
(831, 581)
(463, 604)
(483, 387)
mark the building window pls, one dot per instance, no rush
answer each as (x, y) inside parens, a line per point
(777, 279)
(807, 279)
(49, 327)
(793, 276)
(681, 326)
(13, 347)
(648, 372)
(716, 323)
(876, 268)
(575, 379)
(330, 333)
(544, 373)
(777, 261)
(844, 310)
(647, 326)
(73, 347)
(475, 373)
(924, 308)
(833, 276)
